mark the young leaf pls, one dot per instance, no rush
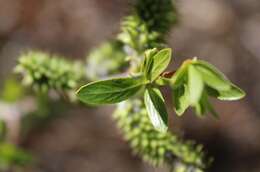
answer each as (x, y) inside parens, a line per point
(148, 63)
(179, 77)
(156, 109)
(211, 109)
(195, 85)
(204, 105)
(162, 81)
(160, 62)
(181, 99)
(151, 52)
(212, 78)
(110, 91)
(148, 67)
(200, 109)
(234, 93)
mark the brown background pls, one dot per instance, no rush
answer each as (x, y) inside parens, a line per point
(223, 32)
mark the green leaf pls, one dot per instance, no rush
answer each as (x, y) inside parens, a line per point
(201, 106)
(234, 93)
(212, 76)
(163, 81)
(148, 63)
(204, 105)
(160, 62)
(148, 67)
(144, 64)
(179, 77)
(200, 109)
(110, 91)
(195, 85)
(156, 109)
(151, 52)
(181, 99)
(211, 91)
(211, 109)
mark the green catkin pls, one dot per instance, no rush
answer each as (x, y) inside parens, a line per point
(148, 25)
(135, 34)
(159, 15)
(153, 146)
(43, 71)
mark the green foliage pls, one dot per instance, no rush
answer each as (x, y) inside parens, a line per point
(109, 59)
(43, 71)
(156, 109)
(195, 85)
(143, 119)
(155, 63)
(119, 89)
(110, 91)
(181, 99)
(156, 147)
(148, 63)
(195, 81)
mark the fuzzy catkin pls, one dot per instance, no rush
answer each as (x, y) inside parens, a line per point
(153, 146)
(159, 15)
(135, 34)
(147, 26)
(43, 71)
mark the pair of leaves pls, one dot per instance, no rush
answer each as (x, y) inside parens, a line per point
(155, 63)
(119, 89)
(195, 81)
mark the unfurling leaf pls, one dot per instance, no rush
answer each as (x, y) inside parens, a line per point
(234, 93)
(160, 62)
(195, 85)
(156, 109)
(212, 76)
(194, 81)
(155, 63)
(217, 81)
(204, 106)
(110, 91)
(181, 99)
(180, 77)
(148, 63)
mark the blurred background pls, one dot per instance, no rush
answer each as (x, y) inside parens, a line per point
(224, 32)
